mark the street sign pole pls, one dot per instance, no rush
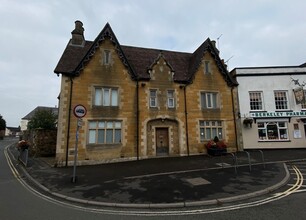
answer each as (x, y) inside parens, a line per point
(79, 112)
(79, 124)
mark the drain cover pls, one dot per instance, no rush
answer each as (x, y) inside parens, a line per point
(198, 181)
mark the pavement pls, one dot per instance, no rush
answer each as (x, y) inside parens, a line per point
(165, 182)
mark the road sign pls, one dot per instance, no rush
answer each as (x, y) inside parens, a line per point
(79, 111)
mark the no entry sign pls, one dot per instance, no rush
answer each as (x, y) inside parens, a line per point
(79, 111)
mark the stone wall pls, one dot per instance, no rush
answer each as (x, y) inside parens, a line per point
(42, 142)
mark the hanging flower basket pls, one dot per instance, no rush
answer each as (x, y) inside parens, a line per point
(248, 122)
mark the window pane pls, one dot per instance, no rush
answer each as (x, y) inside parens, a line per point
(201, 123)
(202, 134)
(101, 133)
(260, 124)
(272, 131)
(98, 97)
(283, 133)
(203, 100)
(220, 134)
(109, 136)
(255, 101)
(117, 136)
(101, 124)
(208, 133)
(214, 132)
(280, 100)
(214, 100)
(109, 125)
(209, 100)
(117, 124)
(114, 97)
(262, 134)
(281, 124)
(92, 124)
(92, 137)
(106, 97)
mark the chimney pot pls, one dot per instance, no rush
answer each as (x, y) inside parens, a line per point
(78, 34)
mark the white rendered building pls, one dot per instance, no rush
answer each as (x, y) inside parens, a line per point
(272, 106)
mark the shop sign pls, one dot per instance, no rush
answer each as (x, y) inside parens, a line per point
(276, 114)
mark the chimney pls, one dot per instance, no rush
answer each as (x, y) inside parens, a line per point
(213, 42)
(78, 35)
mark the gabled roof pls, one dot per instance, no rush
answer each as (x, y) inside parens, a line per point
(139, 60)
(31, 114)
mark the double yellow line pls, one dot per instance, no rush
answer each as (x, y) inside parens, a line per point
(298, 183)
(10, 163)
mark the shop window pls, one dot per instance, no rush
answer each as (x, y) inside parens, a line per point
(273, 131)
(256, 102)
(104, 132)
(210, 129)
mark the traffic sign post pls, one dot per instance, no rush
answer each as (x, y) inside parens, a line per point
(79, 112)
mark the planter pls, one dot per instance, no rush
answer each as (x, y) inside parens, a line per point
(216, 151)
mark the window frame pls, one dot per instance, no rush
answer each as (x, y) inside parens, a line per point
(106, 57)
(102, 127)
(207, 69)
(266, 127)
(153, 99)
(104, 99)
(259, 103)
(209, 100)
(171, 97)
(215, 128)
(279, 103)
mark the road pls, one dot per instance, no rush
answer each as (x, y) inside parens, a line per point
(18, 201)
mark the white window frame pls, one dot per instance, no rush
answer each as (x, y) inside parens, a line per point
(256, 103)
(104, 132)
(153, 98)
(266, 133)
(170, 99)
(209, 100)
(106, 96)
(280, 103)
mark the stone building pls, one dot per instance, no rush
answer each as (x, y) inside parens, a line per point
(141, 103)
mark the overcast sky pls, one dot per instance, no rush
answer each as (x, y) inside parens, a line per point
(34, 34)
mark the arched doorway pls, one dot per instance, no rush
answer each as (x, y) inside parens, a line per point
(162, 137)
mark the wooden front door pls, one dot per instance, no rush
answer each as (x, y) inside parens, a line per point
(162, 142)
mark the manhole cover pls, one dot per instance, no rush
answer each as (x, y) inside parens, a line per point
(198, 181)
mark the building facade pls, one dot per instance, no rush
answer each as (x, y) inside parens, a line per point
(272, 106)
(140, 102)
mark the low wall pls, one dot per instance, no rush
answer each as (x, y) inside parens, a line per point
(42, 142)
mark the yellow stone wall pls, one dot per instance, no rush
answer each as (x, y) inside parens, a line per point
(116, 75)
(213, 82)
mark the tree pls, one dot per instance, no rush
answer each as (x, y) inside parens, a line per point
(2, 123)
(44, 119)
(2, 127)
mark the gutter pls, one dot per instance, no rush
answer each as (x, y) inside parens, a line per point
(69, 118)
